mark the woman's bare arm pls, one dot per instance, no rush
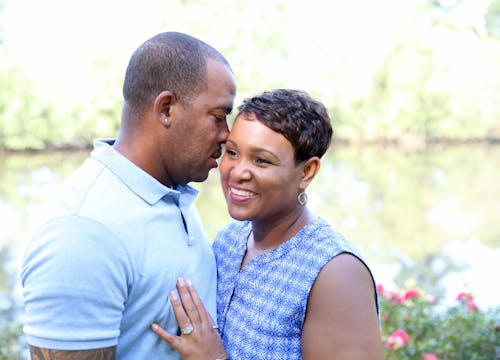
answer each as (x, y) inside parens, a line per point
(341, 319)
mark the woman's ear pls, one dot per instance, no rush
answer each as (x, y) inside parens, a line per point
(163, 107)
(309, 170)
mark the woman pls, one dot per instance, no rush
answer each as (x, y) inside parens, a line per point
(289, 285)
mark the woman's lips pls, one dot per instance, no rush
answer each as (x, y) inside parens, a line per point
(241, 194)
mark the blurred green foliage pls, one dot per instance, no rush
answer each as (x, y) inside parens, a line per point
(433, 77)
(11, 347)
(11, 335)
(492, 20)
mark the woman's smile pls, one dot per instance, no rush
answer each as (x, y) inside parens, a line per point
(240, 194)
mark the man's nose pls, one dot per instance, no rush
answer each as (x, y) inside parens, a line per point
(223, 133)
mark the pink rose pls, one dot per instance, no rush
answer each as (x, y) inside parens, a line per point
(468, 301)
(412, 294)
(429, 356)
(383, 292)
(398, 339)
(471, 306)
(398, 298)
(464, 297)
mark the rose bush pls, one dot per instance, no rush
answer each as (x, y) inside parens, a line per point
(415, 326)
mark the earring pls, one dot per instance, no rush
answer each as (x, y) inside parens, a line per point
(302, 198)
(166, 121)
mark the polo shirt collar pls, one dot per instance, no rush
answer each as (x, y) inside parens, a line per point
(139, 181)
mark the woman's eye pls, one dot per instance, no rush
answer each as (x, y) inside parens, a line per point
(230, 152)
(262, 161)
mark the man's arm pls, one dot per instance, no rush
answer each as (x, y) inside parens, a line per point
(37, 353)
(75, 276)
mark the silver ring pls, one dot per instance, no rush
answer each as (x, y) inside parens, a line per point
(188, 329)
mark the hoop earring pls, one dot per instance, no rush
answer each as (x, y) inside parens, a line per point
(302, 198)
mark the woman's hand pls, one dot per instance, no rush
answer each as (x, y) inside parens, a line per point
(199, 339)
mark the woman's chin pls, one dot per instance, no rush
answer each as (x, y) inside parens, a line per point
(238, 215)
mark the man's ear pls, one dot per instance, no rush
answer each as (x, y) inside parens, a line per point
(309, 170)
(162, 107)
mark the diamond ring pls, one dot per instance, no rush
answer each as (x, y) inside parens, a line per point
(188, 329)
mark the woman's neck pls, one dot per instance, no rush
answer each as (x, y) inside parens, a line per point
(269, 235)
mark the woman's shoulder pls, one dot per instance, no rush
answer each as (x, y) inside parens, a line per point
(232, 232)
(319, 228)
(321, 234)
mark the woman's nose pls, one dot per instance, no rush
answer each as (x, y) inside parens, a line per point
(241, 171)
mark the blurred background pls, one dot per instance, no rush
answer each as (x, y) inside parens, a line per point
(413, 88)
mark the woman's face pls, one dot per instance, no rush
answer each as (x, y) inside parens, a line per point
(259, 177)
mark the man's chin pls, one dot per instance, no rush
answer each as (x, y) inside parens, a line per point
(200, 178)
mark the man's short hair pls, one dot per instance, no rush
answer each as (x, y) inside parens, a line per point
(168, 61)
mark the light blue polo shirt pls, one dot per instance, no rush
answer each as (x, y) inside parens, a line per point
(99, 273)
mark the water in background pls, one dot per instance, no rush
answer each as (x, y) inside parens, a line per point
(421, 218)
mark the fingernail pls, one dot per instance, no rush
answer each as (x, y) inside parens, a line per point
(155, 327)
(188, 282)
(180, 281)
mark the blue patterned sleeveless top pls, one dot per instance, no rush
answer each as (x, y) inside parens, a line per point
(261, 309)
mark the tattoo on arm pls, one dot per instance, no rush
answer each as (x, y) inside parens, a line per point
(37, 353)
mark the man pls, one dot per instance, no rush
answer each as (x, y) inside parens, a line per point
(96, 276)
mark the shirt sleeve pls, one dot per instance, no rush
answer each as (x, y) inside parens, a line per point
(75, 277)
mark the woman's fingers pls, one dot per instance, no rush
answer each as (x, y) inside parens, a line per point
(198, 303)
(189, 310)
(180, 315)
(184, 287)
(165, 335)
(195, 346)
(199, 337)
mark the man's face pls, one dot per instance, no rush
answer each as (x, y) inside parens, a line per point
(201, 127)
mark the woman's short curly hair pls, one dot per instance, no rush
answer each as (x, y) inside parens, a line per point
(302, 120)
